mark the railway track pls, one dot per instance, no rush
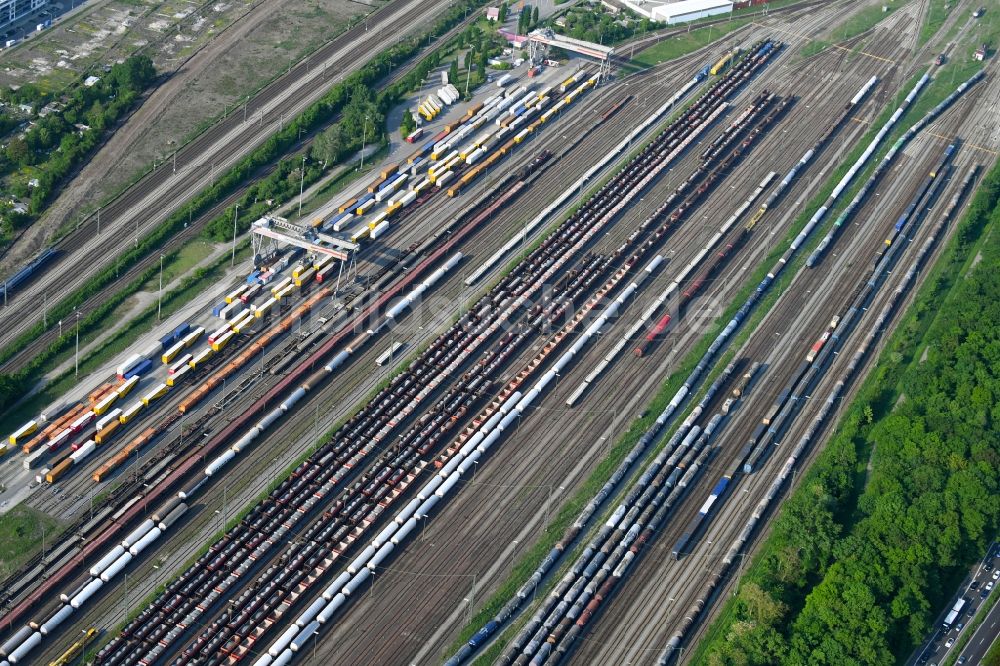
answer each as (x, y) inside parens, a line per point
(496, 230)
(796, 315)
(163, 190)
(414, 596)
(373, 271)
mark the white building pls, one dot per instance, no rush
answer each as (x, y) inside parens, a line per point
(680, 11)
(12, 10)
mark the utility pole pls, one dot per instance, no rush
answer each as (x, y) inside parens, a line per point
(364, 129)
(159, 302)
(302, 182)
(236, 215)
(76, 360)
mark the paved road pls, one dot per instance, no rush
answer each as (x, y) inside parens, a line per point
(984, 637)
(973, 589)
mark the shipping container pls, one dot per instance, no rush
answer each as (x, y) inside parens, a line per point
(175, 378)
(130, 412)
(243, 325)
(129, 363)
(153, 394)
(236, 293)
(193, 336)
(251, 293)
(127, 386)
(105, 433)
(222, 341)
(111, 416)
(23, 432)
(305, 277)
(367, 204)
(202, 356)
(170, 354)
(181, 363)
(142, 368)
(264, 308)
(56, 472)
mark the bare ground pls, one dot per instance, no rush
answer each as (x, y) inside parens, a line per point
(254, 49)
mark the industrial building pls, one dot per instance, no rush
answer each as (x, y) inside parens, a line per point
(12, 10)
(679, 12)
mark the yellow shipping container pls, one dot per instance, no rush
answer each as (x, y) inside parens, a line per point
(222, 341)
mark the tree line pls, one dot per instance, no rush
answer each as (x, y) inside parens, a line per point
(870, 549)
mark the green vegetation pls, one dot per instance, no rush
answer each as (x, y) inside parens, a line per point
(937, 14)
(65, 131)
(688, 42)
(992, 657)
(594, 23)
(859, 562)
(21, 533)
(858, 23)
(527, 19)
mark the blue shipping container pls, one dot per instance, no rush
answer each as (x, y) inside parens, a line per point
(252, 278)
(181, 330)
(140, 368)
(218, 308)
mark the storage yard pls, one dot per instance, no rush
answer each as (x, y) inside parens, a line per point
(341, 457)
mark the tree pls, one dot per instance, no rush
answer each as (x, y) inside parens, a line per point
(534, 16)
(17, 151)
(502, 13)
(96, 117)
(453, 72)
(407, 124)
(481, 61)
(328, 145)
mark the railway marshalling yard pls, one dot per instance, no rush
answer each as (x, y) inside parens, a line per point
(416, 601)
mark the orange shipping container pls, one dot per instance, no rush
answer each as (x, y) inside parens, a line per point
(104, 434)
(59, 470)
(100, 392)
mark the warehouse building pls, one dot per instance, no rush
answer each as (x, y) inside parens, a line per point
(682, 11)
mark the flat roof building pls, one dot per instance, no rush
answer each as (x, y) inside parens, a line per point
(12, 10)
(679, 12)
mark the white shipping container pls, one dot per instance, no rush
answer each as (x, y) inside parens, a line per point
(128, 364)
